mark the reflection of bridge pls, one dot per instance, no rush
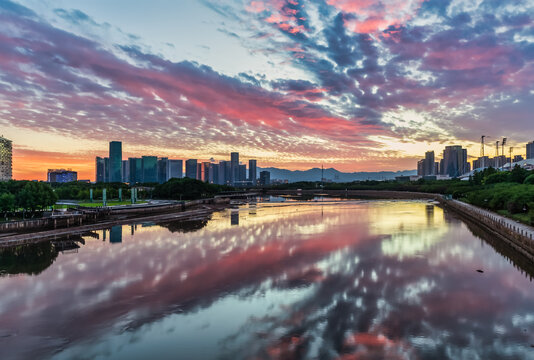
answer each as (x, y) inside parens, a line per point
(237, 195)
(376, 194)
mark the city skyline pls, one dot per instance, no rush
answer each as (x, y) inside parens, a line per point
(356, 85)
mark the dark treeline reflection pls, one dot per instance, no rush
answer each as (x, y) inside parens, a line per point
(29, 259)
(184, 226)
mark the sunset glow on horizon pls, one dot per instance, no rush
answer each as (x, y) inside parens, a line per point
(366, 85)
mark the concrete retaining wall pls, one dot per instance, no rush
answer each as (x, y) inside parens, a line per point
(43, 223)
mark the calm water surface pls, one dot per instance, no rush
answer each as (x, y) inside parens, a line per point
(318, 280)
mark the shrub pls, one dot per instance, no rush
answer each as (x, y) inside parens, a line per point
(496, 178)
(529, 180)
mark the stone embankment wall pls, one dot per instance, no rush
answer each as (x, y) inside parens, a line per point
(44, 223)
(519, 236)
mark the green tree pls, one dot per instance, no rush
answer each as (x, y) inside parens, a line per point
(529, 180)
(496, 178)
(518, 174)
(35, 196)
(7, 203)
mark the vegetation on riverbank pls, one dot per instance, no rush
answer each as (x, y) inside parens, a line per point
(510, 193)
(26, 195)
(187, 189)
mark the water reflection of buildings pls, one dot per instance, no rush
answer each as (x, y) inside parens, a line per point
(252, 208)
(430, 215)
(410, 233)
(115, 234)
(234, 217)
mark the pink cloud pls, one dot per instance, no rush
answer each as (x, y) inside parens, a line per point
(374, 16)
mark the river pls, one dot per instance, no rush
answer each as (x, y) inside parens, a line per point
(274, 280)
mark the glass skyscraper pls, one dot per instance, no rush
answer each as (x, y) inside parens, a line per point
(252, 172)
(234, 167)
(191, 168)
(115, 161)
(100, 169)
(136, 170)
(150, 169)
(174, 169)
(530, 150)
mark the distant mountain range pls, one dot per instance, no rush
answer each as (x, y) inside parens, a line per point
(333, 175)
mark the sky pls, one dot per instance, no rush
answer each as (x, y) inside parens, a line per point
(359, 85)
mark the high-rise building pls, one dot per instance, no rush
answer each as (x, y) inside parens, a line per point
(191, 168)
(265, 178)
(221, 180)
(499, 161)
(428, 165)
(228, 172)
(125, 171)
(199, 171)
(214, 174)
(242, 174)
(100, 166)
(136, 170)
(115, 161)
(530, 150)
(6, 159)
(252, 172)
(483, 162)
(174, 169)
(205, 171)
(106, 169)
(162, 169)
(61, 176)
(234, 166)
(421, 167)
(454, 163)
(150, 169)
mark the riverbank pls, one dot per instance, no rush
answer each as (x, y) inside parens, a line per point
(108, 217)
(199, 212)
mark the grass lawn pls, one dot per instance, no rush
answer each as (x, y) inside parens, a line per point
(61, 206)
